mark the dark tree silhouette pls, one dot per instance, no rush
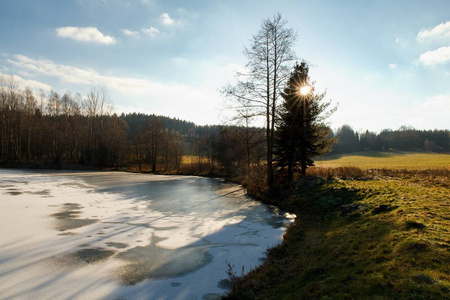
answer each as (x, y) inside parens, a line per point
(302, 133)
(347, 140)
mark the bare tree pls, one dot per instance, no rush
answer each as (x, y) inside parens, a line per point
(139, 146)
(96, 105)
(177, 149)
(154, 133)
(257, 92)
(30, 109)
(15, 123)
(114, 141)
(171, 150)
(3, 118)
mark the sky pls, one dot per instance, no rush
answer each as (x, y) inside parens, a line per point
(385, 64)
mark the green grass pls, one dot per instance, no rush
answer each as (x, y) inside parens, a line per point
(387, 160)
(379, 238)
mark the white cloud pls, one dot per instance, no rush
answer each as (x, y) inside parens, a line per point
(131, 33)
(440, 33)
(151, 31)
(392, 66)
(32, 84)
(436, 57)
(85, 34)
(197, 104)
(166, 20)
(45, 67)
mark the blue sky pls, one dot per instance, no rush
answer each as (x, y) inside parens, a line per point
(387, 63)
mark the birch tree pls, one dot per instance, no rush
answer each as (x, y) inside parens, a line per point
(96, 106)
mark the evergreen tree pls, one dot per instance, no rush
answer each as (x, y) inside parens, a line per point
(302, 133)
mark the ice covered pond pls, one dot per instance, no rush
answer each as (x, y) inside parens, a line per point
(114, 235)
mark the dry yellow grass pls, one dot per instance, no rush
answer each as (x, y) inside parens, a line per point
(387, 160)
(193, 159)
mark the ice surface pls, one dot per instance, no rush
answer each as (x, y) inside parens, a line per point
(115, 235)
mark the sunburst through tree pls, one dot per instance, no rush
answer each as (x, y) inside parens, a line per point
(302, 132)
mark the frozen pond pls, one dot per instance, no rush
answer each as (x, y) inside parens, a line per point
(114, 235)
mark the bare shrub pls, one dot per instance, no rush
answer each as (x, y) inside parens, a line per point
(256, 181)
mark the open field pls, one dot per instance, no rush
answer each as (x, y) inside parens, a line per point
(384, 238)
(377, 234)
(386, 160)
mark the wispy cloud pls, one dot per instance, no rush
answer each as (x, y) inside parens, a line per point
(436, 57)
(130, 33)
(150, 31)
(46, 67)
(166, 98)
(32, 84)
(392, 66)
(85, 34)
(440, 33)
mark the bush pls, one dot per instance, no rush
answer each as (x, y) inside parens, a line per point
(256, 181)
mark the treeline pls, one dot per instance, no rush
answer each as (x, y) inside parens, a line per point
(50, 129)
(404, 139)
(165, 144)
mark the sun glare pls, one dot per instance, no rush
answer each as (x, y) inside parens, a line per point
(304, 90)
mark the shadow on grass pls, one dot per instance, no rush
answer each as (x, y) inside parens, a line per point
(319, 197)
(350, 240)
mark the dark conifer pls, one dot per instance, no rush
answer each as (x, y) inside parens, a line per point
(302, 133)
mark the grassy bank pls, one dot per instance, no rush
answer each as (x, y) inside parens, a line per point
(378, 237)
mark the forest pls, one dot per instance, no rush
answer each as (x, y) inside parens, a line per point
(405, 139)
(50, 129)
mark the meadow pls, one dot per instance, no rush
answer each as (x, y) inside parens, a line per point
(370, 234)
(387, 160)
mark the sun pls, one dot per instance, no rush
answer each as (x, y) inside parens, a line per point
(304, 90)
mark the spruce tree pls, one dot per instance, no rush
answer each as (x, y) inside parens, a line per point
(302, 132)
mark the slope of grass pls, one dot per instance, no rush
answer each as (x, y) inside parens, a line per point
(390, 160)
(383, 238)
